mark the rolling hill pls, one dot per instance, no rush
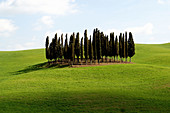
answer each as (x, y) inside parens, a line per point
(144, 86)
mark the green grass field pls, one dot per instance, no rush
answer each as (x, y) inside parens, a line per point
(140, 87)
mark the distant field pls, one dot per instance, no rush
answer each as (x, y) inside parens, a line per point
(140, 87)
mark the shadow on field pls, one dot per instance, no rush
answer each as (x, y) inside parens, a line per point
(76, 102)
(37, 67)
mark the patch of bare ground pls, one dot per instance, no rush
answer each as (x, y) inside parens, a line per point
(76, 64)
(99, 64)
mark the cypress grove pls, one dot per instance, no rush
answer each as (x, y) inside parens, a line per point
(93, 48)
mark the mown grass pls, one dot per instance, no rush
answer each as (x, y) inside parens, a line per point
(26, 87)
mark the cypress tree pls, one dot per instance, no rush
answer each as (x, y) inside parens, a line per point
(72, 53)
(116, 48)
(113, 46)
(51, 50)
(123, 47)
(47, 48)
(102, 45)
(61, 53)
(90, 51)
(120, 46)
(59, 49)
(98, 38)
(110, 46)
(86, 46)
(54, 47)
(74, 44)
(82, 50)
(131, 46)
(106, 47)
(126, 46)
(66, 49)
(77, 47)
(94, 45)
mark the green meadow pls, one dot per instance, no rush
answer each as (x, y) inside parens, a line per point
(26, 86)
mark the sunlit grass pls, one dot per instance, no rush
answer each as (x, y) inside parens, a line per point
(140, 87)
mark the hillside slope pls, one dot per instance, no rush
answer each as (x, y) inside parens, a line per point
(140, 87)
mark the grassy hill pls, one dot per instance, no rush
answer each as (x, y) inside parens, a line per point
(140, 87)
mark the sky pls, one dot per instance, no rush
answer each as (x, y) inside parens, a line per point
(24, 24)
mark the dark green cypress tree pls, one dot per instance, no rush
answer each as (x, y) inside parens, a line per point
(98, 40)
(131, 46)
(72, 53)
(106, 47)
(47, 48)
(120, 46)
(116, 48)
(102, 45)
(54, 47)
(74, 40)
(110, 48)
(113, 46)
(90, 51)
(82, 51)
(94, 45)
(126, 46)
(62, 52)
(66, 49)
(51, 51)
(77, 47)
(86, 46)
(123, 47)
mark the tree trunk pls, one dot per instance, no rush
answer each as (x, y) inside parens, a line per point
(77, 60)
(114, 58)
(106, 59)
(130, 59)
(91, 62)
(98, 61)
(86, 62)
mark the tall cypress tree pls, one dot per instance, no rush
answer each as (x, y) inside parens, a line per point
(94, 45)
(82, 51)
(110, 46)
(51, 50)
(126, 46)
(113, 46)
(77, 47)
(102, 45)
(61, 53)
(90, 51)
(116, 48)
(47, 48)
(131, 46)
(86, 45)
(120, 46)
(66, 49)
(106, 47)
(123, 47)
(54, 48)
(98, 40)
(72, 53)
(74, 44)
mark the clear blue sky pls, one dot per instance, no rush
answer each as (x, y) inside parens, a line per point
(24, 24)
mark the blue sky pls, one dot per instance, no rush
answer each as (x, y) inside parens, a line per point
(24, 24)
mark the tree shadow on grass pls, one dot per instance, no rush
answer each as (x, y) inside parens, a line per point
(41, 66)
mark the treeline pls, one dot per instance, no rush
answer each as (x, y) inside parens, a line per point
(98, 47)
